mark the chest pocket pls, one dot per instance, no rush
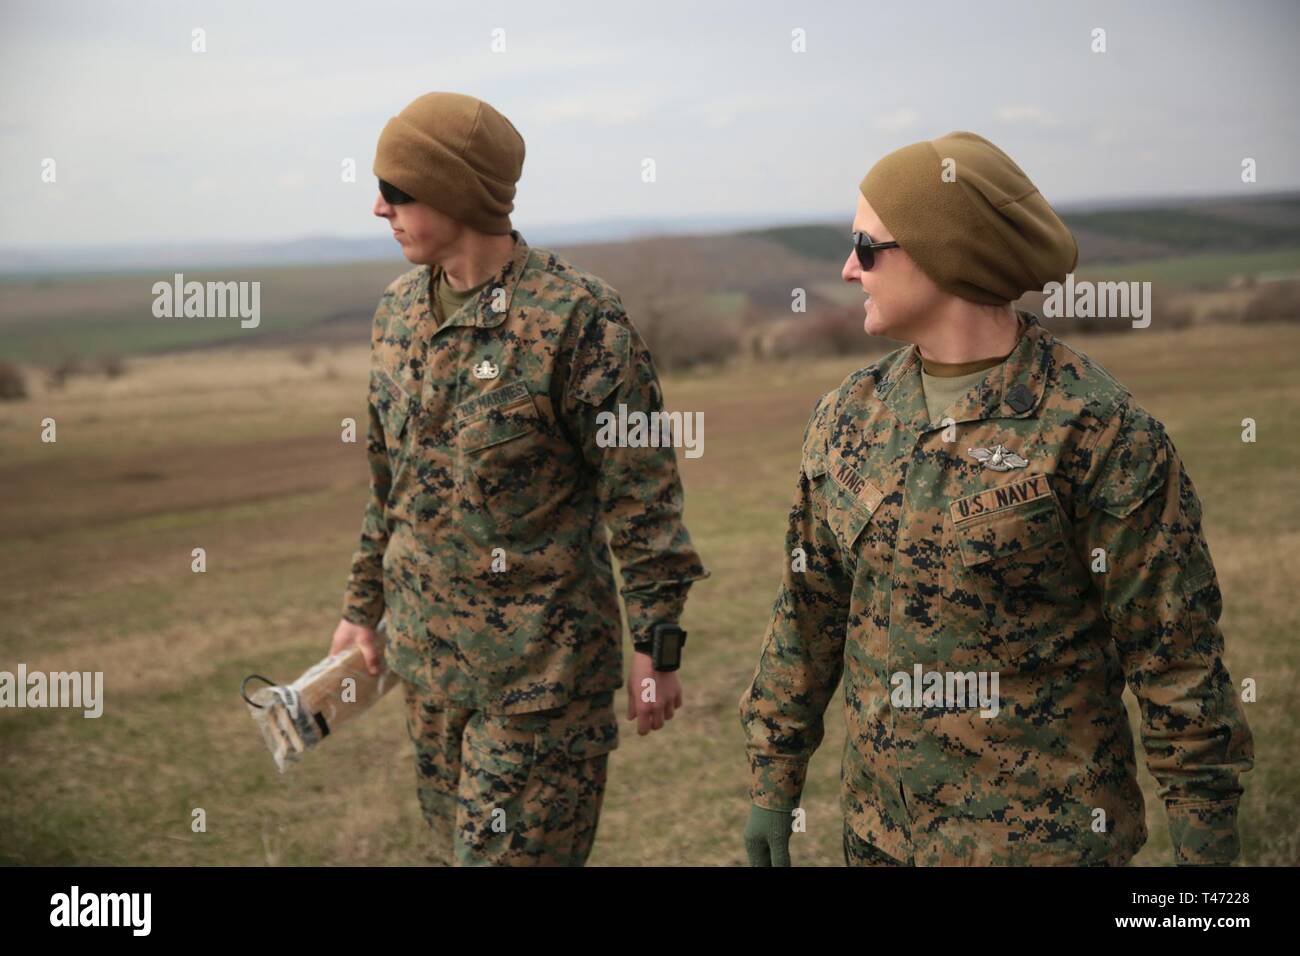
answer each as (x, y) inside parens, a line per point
(1014, 552)
(845, 499)
(394, 409)
(504, 461)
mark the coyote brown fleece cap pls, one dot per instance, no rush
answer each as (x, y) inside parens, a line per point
(458, 155)
(982, 232)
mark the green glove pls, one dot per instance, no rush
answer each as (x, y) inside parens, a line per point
(767, 837)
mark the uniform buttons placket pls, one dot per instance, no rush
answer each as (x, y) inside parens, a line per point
(893, 570)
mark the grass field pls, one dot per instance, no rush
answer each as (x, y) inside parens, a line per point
(47, 319)
(239, 453)
(1199, 271)
(44, 318)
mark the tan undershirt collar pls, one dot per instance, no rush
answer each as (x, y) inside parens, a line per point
(957, 369)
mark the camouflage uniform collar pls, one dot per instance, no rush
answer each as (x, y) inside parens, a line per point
(1010, 390)
(481, 311)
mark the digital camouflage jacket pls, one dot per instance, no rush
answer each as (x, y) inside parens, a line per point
(1049, 535)
(484, 533)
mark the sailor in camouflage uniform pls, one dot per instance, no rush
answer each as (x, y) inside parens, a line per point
(484, 536)
(1034, 523)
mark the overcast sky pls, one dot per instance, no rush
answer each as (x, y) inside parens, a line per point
(245, 141)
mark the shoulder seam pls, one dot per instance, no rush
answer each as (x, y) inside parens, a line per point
(574, 276)
(1117, 405)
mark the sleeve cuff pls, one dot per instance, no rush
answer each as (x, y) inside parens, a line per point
(776, 783)
(367, 616)
(1204, 834)
(661, 605)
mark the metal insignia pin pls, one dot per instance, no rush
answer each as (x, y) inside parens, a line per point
(485, 369)
(999, 459)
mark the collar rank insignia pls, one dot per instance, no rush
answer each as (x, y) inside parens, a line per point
(485, 369)
(999, 459)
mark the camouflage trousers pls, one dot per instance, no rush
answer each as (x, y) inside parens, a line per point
(858, 852)
(511, 789)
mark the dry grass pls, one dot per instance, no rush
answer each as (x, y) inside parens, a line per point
(239, 453)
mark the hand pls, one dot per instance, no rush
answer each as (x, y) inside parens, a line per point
(767, 837)
(347, 634)
(665, 694)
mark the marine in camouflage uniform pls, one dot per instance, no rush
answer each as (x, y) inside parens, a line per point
(511, 789)
(484, 541)
(484, 533)
(1044, 530)
(917, 553)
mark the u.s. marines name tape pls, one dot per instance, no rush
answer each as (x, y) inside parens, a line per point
(515, 391)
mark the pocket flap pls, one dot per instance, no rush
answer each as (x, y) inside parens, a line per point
(585, 727)
(1198, 571)
(814, 465)
(500, 425)
(593, 740)
(847, 522)
(392, 404)
(1007, 531)
(395, 420)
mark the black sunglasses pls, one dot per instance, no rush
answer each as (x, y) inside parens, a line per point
(866, 249)
(392, 195)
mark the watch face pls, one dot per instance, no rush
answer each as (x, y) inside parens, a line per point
(670, 651)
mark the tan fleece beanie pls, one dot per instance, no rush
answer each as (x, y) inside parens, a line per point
(457, 154)
(983, 231)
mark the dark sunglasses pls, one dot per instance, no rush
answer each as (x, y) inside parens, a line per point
(392, 195)
(866, 249)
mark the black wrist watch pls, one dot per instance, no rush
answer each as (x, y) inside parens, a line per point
(664, 647)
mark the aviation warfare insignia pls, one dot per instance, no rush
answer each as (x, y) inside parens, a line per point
(999, 459)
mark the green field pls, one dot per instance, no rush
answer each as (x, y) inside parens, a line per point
(706, 284)
(44, 319)
(238, 453)
(1200, 271)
